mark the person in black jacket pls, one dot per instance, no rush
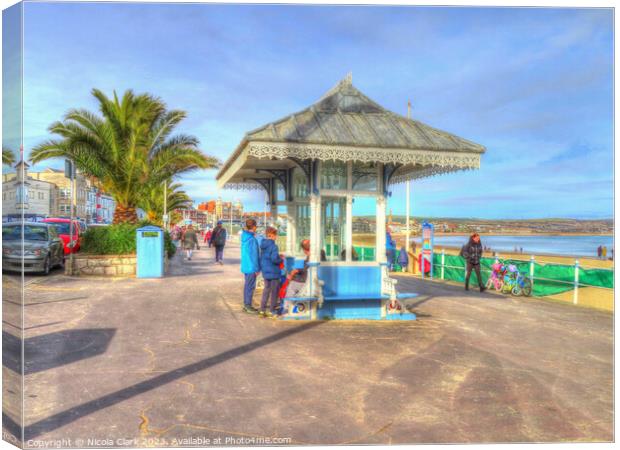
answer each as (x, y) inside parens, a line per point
(218, 239)
(472, 252)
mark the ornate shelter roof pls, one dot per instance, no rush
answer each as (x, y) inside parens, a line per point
(347, 125)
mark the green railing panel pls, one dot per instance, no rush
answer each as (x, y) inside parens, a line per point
(549, 279)
(596, 277)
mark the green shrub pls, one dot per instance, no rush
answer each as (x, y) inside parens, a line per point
(171, 249)
(118, 239)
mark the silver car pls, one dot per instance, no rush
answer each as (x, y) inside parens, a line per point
(42, 247)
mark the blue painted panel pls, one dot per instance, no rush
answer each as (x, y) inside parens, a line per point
(349, 297)
(149, 252)
(289, 263)
(361, 309)
(403, 316)
(345, 281)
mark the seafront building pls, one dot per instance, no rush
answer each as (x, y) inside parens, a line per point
(48, 194)
(23, 194)
(218, 210)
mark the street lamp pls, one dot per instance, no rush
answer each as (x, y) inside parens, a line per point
(165, 216)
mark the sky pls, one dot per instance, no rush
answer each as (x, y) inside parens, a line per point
(533, 85)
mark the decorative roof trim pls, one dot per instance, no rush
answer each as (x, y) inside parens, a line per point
(459, 160)
(424, 173)
(246, 186)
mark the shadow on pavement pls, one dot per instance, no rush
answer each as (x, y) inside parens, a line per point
(72, 414)
(54, 349)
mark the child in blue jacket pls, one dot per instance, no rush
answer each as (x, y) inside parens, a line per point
(250, 263)
(270, 260)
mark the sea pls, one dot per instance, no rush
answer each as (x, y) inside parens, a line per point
(537, 245)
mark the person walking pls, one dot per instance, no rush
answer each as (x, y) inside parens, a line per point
(604, 252)
(208, 237)
(472, 252)
(176, 236)
(250, 264)
(218, 240)
(270, 260)
(599, 251)
(190, 241)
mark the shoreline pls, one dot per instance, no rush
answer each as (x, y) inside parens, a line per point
(540, 257)
(515, 234)
(547, 258)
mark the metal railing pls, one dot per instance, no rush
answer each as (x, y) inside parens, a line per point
(532, 275)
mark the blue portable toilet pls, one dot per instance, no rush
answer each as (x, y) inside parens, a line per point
(150, 252)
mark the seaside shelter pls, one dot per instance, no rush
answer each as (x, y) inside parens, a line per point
(314, 164)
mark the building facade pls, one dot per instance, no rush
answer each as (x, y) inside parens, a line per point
(23, 194)
(49, 194)
(219, 210)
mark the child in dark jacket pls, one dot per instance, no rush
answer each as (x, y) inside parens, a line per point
(270, 260)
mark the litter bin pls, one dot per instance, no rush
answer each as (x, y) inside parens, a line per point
(150, 252)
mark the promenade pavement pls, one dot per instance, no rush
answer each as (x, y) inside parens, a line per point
(174, 361)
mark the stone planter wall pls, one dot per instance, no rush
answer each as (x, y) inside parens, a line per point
(102, 265)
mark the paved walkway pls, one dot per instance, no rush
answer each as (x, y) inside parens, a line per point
(154, 362)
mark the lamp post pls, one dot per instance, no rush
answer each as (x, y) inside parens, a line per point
(70, 173)
(408, 232)
(165, 205)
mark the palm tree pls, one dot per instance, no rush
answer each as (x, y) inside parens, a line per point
(8, 157)
(153, 203)
(129, 147)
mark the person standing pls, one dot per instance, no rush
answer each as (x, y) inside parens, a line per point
(472, 252)
(599, 251)
(218, 240)
(190, 241)
(270, 260)
(604, 252)
(250, 263)
(208, 237)
(390, 248)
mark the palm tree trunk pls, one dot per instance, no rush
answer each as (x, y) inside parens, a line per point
(125, 214)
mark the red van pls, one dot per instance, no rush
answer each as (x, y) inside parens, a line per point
(62, 227)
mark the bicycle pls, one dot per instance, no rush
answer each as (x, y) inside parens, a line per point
(496, 280)
(515, 283)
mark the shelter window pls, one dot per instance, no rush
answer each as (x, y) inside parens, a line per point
(280, 192)
(334, 175)
(302, 222)
(333, 226)
(364, 228)
(300, 183)
(364, 176)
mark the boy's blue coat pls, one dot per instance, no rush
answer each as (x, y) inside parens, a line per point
(250, 261)
(270, 259)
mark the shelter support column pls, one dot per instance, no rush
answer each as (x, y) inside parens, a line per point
(291, 230)
(349, 229)
(315, 231)
(380, 227)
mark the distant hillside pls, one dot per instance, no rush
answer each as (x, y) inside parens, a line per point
(506, 226)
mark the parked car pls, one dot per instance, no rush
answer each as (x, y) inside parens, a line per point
(42, 247)
(62, 227)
